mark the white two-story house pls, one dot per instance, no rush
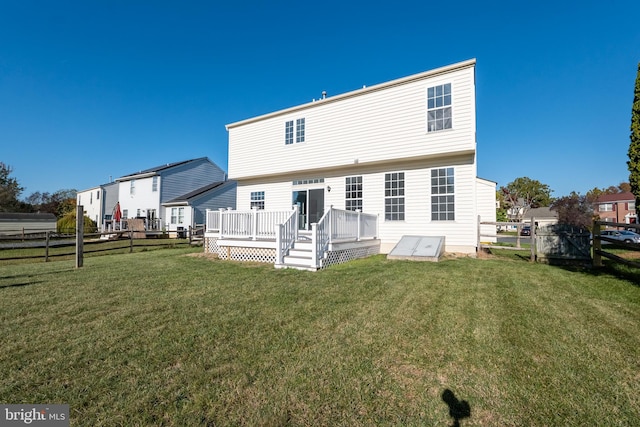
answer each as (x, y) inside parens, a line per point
(403, 150)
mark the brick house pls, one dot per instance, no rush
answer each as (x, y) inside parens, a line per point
(619, 208)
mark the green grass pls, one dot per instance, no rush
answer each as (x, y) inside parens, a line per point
(161, 338)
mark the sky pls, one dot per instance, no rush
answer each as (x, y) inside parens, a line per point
(94, 90)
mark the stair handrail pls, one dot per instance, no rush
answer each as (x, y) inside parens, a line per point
(286, 235)
(320, 238)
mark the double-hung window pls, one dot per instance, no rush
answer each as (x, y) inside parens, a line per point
(132, 187)
(177, 215)
(289, 131)
(394, 196)
(257, 199)
(353, 193)
(442, 195)
(300, 130)
(605, 207)
(439, 107)
(154, 184)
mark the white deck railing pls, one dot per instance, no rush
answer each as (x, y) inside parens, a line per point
(254, 224)
(336, 225)
(340, 225)
(287, 235)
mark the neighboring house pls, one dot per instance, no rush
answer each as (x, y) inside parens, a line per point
(24, 223)
(542, 216)
(142, 195)
(190, 209)
(619, 208)
(403, 150)
(518, 211)
(99, 202)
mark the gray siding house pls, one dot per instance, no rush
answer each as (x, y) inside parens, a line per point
(143, 195)
(190, 209)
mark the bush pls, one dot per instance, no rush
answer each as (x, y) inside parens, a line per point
(67, 224)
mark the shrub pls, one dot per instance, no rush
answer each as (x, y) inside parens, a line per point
(67, 224)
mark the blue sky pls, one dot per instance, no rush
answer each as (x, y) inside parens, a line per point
(96, 89)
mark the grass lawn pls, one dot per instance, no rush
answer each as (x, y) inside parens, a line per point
(162, 338)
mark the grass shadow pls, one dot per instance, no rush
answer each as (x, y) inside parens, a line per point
(17, 285)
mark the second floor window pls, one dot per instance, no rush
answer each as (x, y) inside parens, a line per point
(132, 187)
(154, 184)
(439, 108)
(289, 131)
(606, 207)
(300, 130)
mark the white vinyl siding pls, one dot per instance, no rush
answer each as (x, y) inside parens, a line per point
(369, 133)
(377, 126)
(461, 234)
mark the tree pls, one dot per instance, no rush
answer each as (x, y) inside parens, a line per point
(501, 210)
(59, 203)
(625, 187)
(525, 193)
(634, 146)
(574, 210)
(10, 191)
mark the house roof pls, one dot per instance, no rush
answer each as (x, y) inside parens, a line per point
(156, 169)
(364, 90)
(21, 216)
(619, 197)
(195, 193)
(542, 212)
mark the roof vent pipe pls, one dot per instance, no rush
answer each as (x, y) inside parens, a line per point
(324, 94)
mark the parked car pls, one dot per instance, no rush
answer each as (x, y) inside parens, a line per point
(621, 235)
(526, 231)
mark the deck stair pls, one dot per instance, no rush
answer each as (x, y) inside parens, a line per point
(300, 255)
